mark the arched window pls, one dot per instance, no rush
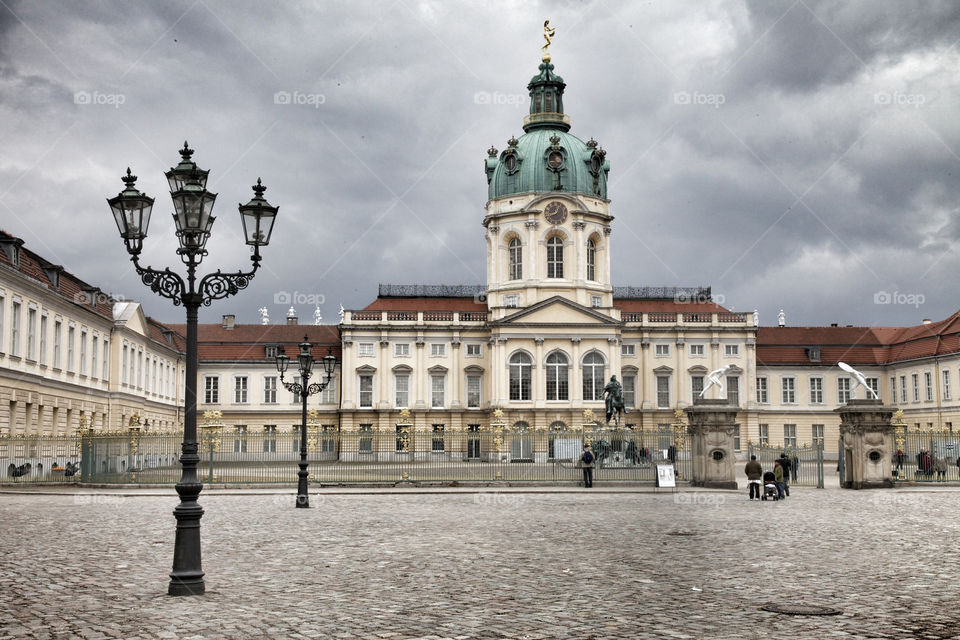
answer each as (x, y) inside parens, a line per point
(593, 370)
(558, 387)
(591, 260)
(520, 366)
(516, 259)
(555, 257)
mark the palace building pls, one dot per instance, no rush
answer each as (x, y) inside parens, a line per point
(539, 340)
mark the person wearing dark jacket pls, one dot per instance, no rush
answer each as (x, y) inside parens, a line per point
(786, 465)
(754, 471)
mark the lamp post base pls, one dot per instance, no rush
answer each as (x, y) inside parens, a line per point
(303, 496)
(186, 579)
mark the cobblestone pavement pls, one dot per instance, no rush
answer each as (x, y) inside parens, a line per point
(584, 564)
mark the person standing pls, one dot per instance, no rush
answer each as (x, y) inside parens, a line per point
(778, 477)
(586, 463)
(786, 465)
(754, 471)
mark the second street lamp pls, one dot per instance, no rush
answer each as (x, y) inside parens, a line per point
(305, 390)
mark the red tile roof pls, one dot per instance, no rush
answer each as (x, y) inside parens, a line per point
(247, 342)
(70, 287)
(858, 345)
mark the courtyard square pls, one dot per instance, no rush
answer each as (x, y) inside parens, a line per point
(497, 563)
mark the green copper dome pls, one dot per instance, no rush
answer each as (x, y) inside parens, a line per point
(546, 157)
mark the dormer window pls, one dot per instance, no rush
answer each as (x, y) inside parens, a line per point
(271, 351)
(813, 353)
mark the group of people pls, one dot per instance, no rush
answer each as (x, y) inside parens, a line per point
(773, 483)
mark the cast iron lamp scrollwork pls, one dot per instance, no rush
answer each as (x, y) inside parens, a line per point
(193, 207)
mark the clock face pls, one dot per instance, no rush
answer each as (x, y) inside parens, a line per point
(555, 213)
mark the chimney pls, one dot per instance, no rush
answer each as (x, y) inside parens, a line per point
(927, 321)
(292, 316)
(833, 324)
(229, 321)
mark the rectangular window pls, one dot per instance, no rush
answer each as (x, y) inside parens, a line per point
(816, 433)
(511, 301)
(239, 438)
(366, 391)
(240, 389)
(365, 349)
(473, 391)
(124, 363)
(663, 392)
(788, 390)
(83, 352)
(696, 386)
(139, 369)
(270, 352)
(696, 350)
(294, 396)
(764, 435)
(916, 387)
(874, 385)
(843, 390)
(628, 350)
(816, 390)
(661, 349)
(269, 438)
(731, 350)
(270, 389)
(733, 390)
(437, 444)
(630, 390)
(94, 344)
(211, 390)
(71, 343)
(437, 385)
(15, 329)
(401, 385)
(329, 395)
(474, 350)
(3, 310)
(946, 384)
(928, 385)
(893, 389)
(596, 301)
(365, 445)
(401, 349)
(43, 338)
(762, 390)
(57, 335)
(736, 438)
(31, 334)
(438, 349)
(790, 436)
(903, 388)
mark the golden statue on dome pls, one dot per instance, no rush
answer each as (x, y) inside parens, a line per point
(548, 36)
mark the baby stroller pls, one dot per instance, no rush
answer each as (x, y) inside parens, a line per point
(769, 486)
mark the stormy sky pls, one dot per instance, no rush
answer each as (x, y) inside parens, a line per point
(801, 155)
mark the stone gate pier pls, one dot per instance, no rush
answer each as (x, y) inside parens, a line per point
(866, 444)
(712, 424)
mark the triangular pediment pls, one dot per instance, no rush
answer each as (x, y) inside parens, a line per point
(557, 311)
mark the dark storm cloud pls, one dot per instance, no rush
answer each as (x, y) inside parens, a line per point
(798, 155)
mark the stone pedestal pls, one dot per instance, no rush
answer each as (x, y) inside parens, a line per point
(712, 424)
(867, 444)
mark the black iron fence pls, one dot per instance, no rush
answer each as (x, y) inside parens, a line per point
(356, 457)
(926, 456)
(803, 464)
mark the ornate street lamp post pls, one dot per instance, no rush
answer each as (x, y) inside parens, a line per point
(193, 206)
(305, 390)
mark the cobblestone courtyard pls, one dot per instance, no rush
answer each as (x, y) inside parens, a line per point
(486, 565)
